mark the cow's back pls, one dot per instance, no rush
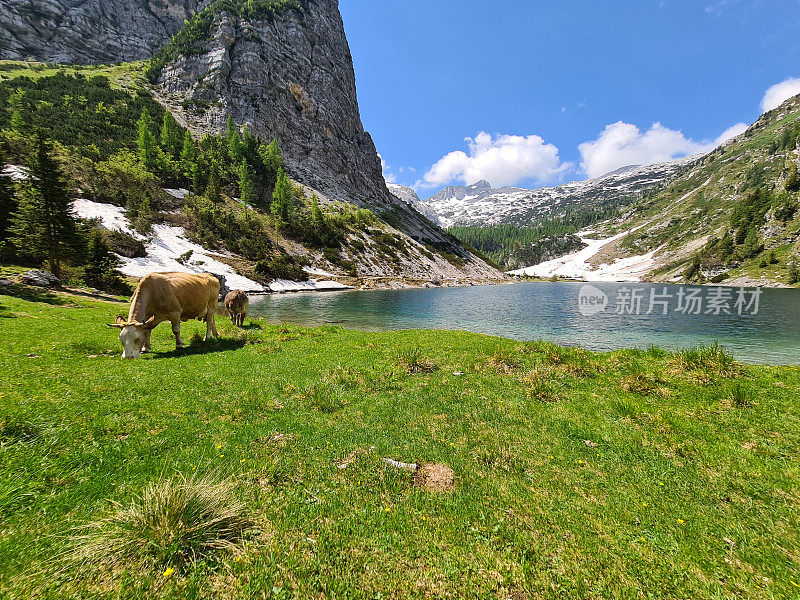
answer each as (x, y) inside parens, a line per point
(187, 294)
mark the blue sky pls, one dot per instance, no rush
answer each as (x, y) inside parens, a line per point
(530, 93)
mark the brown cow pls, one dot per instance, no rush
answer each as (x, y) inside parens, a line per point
(173, 297)
(237, 304)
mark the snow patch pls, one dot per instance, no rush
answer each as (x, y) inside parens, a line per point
(576, 265)
(180, 194)
(285, 285)
(112, 217)
(16, 173)
(316, 271)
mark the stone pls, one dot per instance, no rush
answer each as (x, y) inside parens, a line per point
(39, 278)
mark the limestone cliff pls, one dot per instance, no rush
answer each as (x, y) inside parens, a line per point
(89, 31)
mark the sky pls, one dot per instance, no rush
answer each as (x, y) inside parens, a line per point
(533, 94)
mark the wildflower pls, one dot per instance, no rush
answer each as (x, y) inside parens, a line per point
(644, 504)
(794, 584)
(660, 483)
(219, 446)
(237, 559)
(168, 572)
(681, 521)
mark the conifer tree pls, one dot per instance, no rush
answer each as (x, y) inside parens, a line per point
(171, 142)
(282, 197)
(44, 226)
(147, 141)
(189, 158)
(214, 188)
(8, 206)
(17, 104)
(234, 141)
(316, 212)
(245, 184)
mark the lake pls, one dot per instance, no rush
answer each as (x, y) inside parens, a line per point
(757, 326)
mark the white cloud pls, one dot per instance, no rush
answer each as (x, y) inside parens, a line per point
(780, 93)
(387, 173)
(622, 145)
(501, 160)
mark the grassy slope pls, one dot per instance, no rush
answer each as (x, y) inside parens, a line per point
(685, 495)
(699, 204)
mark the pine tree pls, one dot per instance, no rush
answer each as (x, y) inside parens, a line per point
(214, 188)
(316, 212)
(8, 206)
(101, 262)
(282, 197)
(245, 184)
(17, 104)
(234, 141)
(44, 226)
(147, 141)
(189, 158)
(171, 142)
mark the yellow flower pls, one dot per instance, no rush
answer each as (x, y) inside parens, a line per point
(644, 503)
(219, 446)
(794, 584)
(169, 572)
(237, 559)
(660, 483)
(681, 521)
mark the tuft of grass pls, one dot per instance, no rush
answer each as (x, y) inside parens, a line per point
(538, 385)
(714, 361)
(739, 396)
(173, 523)
(415, 362)
(504, 360)
(323, 397)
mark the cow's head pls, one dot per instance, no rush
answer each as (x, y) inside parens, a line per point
(132, 335)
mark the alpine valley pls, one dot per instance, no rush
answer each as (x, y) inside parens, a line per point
(730, 216)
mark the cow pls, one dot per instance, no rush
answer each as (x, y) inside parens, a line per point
(173, 297)
(237, 304)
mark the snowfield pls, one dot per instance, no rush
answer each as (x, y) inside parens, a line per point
(577, 266)
(168, 243)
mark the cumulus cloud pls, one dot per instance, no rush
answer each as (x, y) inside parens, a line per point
(780, 93)
(622, 145)
(501, 160)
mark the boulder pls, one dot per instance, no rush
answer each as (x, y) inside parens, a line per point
(39, 278)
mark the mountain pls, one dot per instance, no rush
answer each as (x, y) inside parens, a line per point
(730, 217)
(89, 31)
(479, 204)
(280, 68)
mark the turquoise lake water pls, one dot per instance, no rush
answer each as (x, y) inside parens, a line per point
(552, 311)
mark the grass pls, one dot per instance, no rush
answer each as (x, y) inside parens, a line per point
(567, 484)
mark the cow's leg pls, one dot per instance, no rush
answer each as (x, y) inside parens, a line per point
(176, 329)
(146, 346)
(213, 324)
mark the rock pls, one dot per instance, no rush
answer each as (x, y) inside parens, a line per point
(89, 31)
(41, 279)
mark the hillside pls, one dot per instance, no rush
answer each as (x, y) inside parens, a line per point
(219, 70)
(561, 473)
(731, 217)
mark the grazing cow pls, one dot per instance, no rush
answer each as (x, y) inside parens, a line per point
(237, 304)
(173, 297)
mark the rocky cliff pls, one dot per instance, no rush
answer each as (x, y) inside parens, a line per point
(289, 77)
(89, 31)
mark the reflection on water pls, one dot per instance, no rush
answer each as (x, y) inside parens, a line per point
(550, 311)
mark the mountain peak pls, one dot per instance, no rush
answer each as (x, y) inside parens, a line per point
(480, 186)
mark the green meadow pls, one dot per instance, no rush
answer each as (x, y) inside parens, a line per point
(252, 466)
